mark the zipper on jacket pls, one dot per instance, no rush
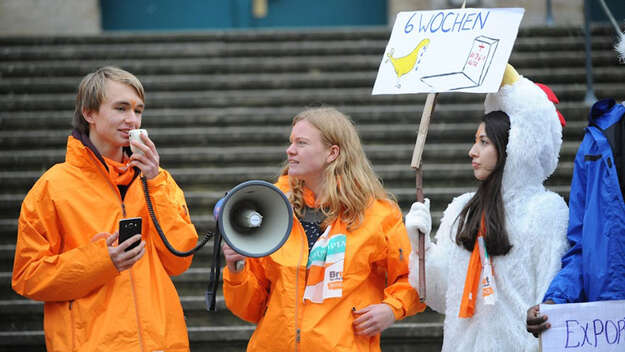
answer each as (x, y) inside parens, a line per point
(132, 280)
(401, 254)
(299, 264)
(71, 319)
(110, 183)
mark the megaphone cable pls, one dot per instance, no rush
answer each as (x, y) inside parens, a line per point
(173, 250)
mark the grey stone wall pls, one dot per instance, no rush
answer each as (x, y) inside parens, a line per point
(565, 12)
(25, 17)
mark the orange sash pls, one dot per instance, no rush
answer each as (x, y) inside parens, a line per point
(472, 280)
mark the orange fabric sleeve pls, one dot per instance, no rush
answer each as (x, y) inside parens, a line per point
(170, 208)
(399, 294)
(246, 292)
(39, 272)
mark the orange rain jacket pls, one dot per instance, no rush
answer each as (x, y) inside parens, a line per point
(269, 291)
(89, 305)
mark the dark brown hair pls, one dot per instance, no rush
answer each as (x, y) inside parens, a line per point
(488, 198)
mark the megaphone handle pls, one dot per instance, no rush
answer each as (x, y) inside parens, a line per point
(239, 265)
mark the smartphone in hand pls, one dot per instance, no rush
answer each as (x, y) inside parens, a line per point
(128, 228)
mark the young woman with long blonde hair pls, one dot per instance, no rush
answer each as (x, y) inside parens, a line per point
(341, 278)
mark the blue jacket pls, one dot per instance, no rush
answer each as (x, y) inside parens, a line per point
(594, 267)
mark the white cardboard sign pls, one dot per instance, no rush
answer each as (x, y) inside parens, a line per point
(584, 327)
(462, 50)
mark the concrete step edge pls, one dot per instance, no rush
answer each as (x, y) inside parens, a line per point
(264, 171)
(252, 49)
(279, 131)
(256, 34)
(310, 93)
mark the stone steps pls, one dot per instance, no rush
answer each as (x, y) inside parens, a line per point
(262, 135)
(274, 65)
(528, 40)
(309, 34)
(287, 97)
(304, 80)
(215, 177)
(39, 160)
(254, 47)
(254, 116)
(192, 50)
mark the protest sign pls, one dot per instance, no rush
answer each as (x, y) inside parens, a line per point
(584, 327)
(463, 50)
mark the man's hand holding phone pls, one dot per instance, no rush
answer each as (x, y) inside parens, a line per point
(130, 248)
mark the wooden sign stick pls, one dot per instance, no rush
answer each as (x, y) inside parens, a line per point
(428, 109)
(424, 125)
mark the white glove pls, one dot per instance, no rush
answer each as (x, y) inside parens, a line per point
(419, 219)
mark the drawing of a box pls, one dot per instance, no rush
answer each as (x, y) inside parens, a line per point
(474, 71)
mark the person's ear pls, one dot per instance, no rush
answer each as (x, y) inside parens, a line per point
(334, 153)
(88, 115)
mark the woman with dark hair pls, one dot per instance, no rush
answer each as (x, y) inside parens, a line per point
(488, 156)
(498, 248)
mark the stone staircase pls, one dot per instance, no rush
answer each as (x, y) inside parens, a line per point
(219, 106)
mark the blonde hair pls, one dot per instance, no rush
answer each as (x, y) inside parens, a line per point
(349, 183)
(92, 88)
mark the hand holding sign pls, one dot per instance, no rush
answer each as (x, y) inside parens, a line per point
(536, 322)
(584, 327)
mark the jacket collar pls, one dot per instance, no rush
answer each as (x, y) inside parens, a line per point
(86, 145)
(285, 186)
(605, 113)
(78, 148)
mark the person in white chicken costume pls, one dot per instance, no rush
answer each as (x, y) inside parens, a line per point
(498, 248)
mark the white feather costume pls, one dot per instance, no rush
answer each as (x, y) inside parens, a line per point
(620, 47)
(536, 221)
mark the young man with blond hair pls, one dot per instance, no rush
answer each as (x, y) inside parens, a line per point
(99, 296)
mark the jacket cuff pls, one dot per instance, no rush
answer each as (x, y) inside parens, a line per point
(396, 306)
(235, 278)
(159, 180)
(105, 267)
(555, 299)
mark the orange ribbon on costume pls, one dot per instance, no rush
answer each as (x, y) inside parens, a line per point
(472, 280)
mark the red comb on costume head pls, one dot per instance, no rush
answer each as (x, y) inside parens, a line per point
(552, 98)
